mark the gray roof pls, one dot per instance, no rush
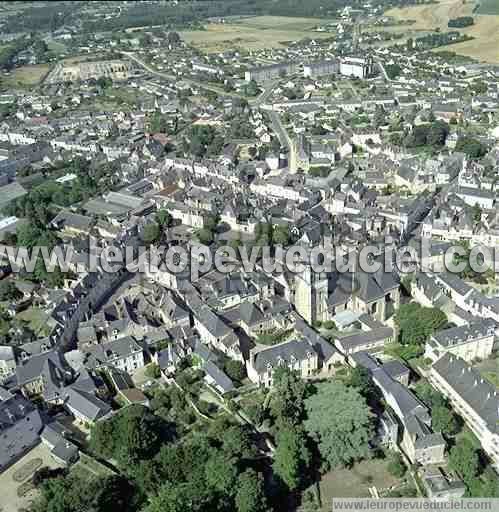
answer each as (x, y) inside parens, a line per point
(86, 404)
(282, 354)
(48, 366)
(467, 382)
(111, 351)
(54, 434)
(220, 378)
(395, 368)
(465, 333)
(363, 338)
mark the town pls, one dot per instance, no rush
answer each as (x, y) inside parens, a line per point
(223, 127)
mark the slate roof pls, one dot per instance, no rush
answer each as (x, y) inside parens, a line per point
(87, 404)
(467, 382)
(285, 351)
(462, 334)
(49, 367)
(220, 378)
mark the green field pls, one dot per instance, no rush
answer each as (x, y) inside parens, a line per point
(488, 7)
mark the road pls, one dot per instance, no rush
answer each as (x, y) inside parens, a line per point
(284, 139)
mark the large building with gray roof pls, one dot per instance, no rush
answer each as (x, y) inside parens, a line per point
(474, 398)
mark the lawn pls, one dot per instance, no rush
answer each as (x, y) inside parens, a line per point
(488, 7)
(25, 76)
(355, 482)
(88, 467)
(253, 33)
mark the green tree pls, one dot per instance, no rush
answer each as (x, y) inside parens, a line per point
(340, 422)
(444, 420)
(151, 233)
(463, 458)
(417, 323)
(8, 290)
(221, 473)
(291, 457)
(163, 218)
(235, 370)
(287, 403)
(250, 494)
(396, 466)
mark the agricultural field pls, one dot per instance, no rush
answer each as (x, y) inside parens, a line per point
(24, 76)
(485, 46)
(488, 7)
(253, 33)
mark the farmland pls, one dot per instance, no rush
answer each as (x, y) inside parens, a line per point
(25, 76)
(253, 33)
(489, 7)
(485, 46)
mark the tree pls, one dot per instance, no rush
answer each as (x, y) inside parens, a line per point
(205, 236)
(151, 233)
(444, 420)
(221, 473)
(463, 458)
(361, 379)
(340, 422)
(472, 147)
(163, 218)
(417, 323)
(250, 495)
(8, 291)
(235, 370)
(288, 396)
(379, 118)
(396, 466)
(153, 371)
(291, 457)
(132, 435)
(477, 213)
(281, 235)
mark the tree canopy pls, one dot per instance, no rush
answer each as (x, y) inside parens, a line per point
(340, 422)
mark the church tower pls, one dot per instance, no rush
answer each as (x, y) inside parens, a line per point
(311, 294)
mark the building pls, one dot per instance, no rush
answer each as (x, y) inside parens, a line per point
(124, 353)
(297, 355)
(7, 362)
(263, 73)
(20, 427)
(360, 67)
(324, 67)
(472, 397)
(469, 342)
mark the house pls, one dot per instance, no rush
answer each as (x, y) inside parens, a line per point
(55, 437)
(475, 399)
(415, 436)
(213, 331)
(84, 406)
(297, 355)
(372, 340)
(7, 362)
(469, 342)
(20, 427)
(440, 485)
(124, 353)
(43, 375)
